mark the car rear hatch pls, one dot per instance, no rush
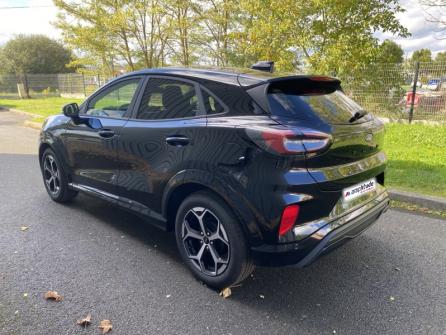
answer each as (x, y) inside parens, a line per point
(353, 153)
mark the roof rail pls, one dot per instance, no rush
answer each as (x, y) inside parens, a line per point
(266, 66)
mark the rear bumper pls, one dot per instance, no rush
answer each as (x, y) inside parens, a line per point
(329, 237)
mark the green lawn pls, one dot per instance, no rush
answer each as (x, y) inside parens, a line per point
(417, 158)
(40, 106)
(417, 153)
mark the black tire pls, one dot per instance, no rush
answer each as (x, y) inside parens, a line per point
(57, 188)
(221, 225)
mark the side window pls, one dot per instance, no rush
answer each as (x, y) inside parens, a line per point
(211, 104)
(168, 99)
(115, 101)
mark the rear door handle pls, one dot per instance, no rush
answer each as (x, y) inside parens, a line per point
(106, 133)
(177, 141)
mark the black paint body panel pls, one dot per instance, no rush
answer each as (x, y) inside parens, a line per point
(138, 169)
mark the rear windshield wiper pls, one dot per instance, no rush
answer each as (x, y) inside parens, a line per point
(357, 116)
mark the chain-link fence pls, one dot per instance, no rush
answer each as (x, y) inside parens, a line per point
(74, 85)
(408, 91)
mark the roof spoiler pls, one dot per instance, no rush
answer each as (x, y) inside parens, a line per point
(305, 85)
(266, 66)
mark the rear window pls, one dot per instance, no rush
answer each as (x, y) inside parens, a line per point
(307, 100)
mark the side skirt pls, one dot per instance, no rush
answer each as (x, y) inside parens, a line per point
(157, 219)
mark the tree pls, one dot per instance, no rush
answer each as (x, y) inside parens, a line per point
(435, 11)
(136, 32)
(98, 30)
(390, 52)
(34, 54)
(422, 55)
(217, 20)
(330, 36)
(148, 27)
(441, 57)
(182, 19)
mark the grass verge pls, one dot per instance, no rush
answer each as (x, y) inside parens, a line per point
(415, 208)
(417, 158)
(40, 106)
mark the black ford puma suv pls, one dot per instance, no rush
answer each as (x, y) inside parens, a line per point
(245, 167)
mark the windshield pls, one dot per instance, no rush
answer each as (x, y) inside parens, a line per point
(332, 107)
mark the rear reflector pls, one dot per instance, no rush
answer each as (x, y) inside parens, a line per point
(289, 217)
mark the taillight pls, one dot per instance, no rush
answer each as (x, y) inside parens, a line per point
(293, 141)
(289, 217)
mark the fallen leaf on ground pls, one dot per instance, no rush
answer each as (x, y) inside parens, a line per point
(53, 295)
(226, 292)
(106, 326)
(24, 228)
(85, 321)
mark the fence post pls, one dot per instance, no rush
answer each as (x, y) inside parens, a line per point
(414, 90)
(25, 78)
(85, 88)
(22, 86)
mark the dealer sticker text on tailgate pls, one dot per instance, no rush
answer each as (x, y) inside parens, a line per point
(357, 190)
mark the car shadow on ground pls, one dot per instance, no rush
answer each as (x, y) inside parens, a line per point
(128, 223)
(363, 268)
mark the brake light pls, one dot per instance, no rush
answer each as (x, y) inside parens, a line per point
(289, 217)
(293, 141)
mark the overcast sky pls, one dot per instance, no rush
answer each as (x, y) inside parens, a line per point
(35, 16)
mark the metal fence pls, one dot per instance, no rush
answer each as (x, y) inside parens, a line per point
(46, 85)
(408, 91)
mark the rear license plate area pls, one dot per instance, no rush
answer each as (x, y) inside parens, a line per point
(355, 191)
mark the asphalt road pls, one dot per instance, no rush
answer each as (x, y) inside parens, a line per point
(109, 263)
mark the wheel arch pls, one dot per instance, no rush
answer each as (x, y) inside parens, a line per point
(42, 147)
(187, 182)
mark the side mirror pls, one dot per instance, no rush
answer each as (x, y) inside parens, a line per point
(71, 110)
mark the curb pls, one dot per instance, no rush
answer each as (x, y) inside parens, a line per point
(31, 124)
(431, 202)
(26, 123)
(19, 111)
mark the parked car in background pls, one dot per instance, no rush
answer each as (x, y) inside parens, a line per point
(245, 167)
(436, 84)
(424, 101)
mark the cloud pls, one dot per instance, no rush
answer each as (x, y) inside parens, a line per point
(35, 18)
(424, 34)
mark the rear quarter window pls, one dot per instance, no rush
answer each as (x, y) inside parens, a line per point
(212, 104)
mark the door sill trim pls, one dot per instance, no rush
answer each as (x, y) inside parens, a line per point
(123, 202)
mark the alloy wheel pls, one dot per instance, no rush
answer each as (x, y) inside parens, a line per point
(205, 241)
(51, 174)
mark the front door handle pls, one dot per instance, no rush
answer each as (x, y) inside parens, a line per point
(177, 141)
(106, 133)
